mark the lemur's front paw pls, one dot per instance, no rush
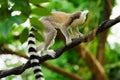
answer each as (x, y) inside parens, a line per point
(68, 42)
(50, 53)
(81, 35)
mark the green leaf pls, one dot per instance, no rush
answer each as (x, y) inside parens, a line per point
(19, 4)
(36, 23)
(16, 19)
(23, 17)
(38, 1)
(38, 36)
(24, 35)
(22, 6)
(41, 11)
(5, 28)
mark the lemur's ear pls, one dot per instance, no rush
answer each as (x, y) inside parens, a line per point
(77, 14)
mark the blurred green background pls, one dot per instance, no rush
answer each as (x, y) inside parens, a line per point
(85, 61)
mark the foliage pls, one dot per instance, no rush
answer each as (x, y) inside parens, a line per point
(16, 15)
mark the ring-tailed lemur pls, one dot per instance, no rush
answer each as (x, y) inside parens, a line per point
(58, 20)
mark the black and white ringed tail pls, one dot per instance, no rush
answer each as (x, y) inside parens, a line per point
(34, 57)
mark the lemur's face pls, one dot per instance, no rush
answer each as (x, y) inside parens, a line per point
(83, 15)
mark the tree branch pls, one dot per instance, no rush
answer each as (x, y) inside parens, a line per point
(6, 50)
(92, 62)
(88, 37)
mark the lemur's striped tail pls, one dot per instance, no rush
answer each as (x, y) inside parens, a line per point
(34, 56)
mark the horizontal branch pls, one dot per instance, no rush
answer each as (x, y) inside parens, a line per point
(72, 76)
(6, 50)
(88, 37)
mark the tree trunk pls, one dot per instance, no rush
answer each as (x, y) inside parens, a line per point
(103, 37)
